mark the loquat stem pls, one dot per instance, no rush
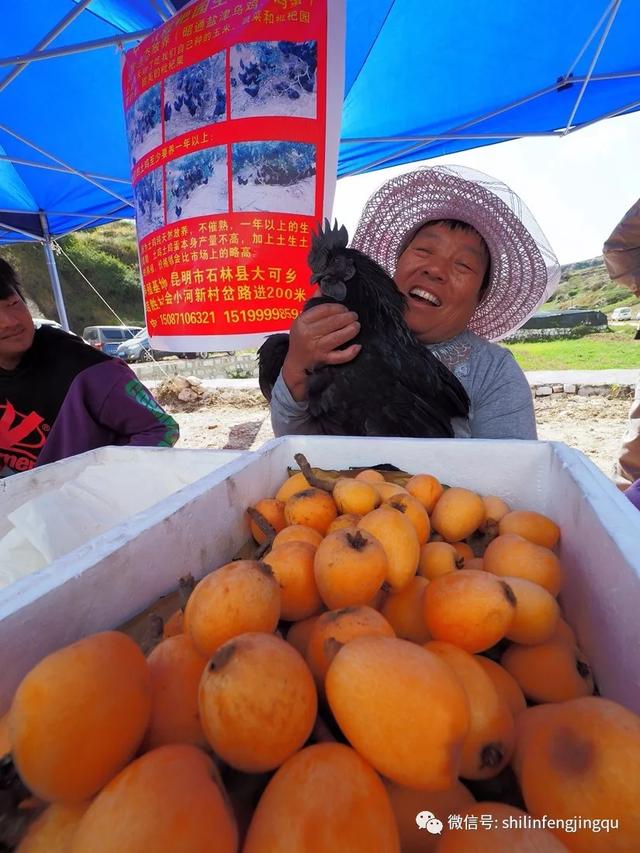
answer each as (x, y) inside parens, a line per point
(186, 585)
(157, 625)
(263, 549)
(311, 477)
(266, 569)
(155, 628)
(266, 528)
(261, 522)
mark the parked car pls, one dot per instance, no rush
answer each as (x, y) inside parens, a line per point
(139, 349)
(621, 314)
(109, 338)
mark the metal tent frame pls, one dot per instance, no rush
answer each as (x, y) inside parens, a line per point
(567, 79)
(35, 226)
(39, 230)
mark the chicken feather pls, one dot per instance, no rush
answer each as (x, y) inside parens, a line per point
(395, 386)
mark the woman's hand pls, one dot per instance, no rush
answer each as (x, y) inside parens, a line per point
(313, 339)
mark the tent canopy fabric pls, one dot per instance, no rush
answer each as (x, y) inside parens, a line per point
(422, 79)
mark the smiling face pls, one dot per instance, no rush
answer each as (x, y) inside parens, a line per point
(16, 330)
(441, 272)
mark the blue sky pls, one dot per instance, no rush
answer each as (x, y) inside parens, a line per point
(578, 186)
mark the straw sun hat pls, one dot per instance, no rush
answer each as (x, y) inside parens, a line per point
(524, 269)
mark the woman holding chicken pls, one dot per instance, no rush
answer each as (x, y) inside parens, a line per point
(473, 266)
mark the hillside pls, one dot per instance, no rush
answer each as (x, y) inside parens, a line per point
(108, 257)
(586, 284)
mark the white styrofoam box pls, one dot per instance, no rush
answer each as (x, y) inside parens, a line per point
(53, 510)
(19, 488)
(130, 567)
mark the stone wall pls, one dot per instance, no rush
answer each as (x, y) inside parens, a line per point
(217, 366)
(624, 392)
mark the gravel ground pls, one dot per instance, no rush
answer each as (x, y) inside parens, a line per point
(239, 420)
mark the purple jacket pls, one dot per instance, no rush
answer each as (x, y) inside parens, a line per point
(107, 404)
(633, 493)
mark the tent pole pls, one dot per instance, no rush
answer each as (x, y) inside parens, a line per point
(14, 230)
(163, 15)
(592, 65)
(72, 49)
(50, 36)
(90, 216)
(53, 273)
(633, 105)
(603, 18)
(87, 224)
(436, 137)
(60, 162)
(170, 7)
(493, 114)
(19, 161)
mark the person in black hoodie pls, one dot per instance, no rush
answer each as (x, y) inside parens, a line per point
(60, 397)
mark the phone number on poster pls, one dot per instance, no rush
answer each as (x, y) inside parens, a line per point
(187, 318)
(252, 315)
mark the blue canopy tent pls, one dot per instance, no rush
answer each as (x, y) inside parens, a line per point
(422, 79)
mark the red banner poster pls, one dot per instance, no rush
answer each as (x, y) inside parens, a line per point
(233, 118)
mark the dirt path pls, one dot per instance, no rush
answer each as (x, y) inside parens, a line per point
(239, 420)
(594, 425)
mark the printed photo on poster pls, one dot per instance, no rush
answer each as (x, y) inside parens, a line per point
(149, 203)
(144, 127)
(195, 96)
(270, 78)
(236, 164)
(274, 176)
(197, 184)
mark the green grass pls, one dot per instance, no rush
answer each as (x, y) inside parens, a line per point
(606, 350)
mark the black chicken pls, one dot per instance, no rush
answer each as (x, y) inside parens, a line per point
(395, 386)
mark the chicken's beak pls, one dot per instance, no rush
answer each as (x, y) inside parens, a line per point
(315, 278)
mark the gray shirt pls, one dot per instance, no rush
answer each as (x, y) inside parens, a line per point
(501, 400)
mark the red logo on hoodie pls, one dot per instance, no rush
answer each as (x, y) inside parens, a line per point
(21, 437)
